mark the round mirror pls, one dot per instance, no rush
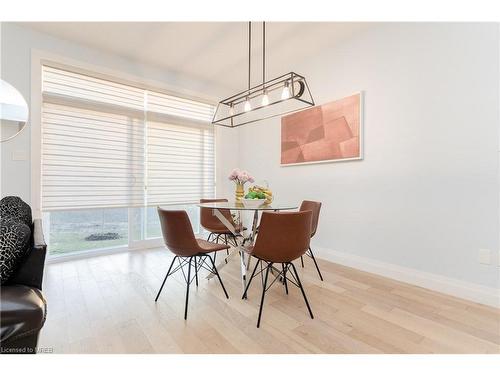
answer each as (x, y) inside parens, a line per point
(14, 111)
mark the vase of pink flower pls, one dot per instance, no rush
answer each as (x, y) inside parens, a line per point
(240, 178)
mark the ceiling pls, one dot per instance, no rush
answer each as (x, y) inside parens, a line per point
(213, 52)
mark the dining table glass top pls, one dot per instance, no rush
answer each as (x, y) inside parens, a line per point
(234, 205)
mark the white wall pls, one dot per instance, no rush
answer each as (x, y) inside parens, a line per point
(17, 45)
(426, 196)
(227, 143)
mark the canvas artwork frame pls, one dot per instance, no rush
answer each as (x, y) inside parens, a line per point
(327, 133)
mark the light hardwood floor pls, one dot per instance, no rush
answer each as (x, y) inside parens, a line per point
(106, 305)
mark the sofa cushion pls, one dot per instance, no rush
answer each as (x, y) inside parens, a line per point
(23, 312)
(16, 208)
(14, 244)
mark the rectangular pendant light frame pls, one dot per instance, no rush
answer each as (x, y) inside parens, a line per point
(280, 82)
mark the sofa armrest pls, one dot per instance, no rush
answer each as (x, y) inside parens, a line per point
(38, 239)
(30, 271)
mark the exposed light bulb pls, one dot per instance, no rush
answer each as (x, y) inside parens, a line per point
(231, 109)
(248, 106)
(285, 94)
(265, 98)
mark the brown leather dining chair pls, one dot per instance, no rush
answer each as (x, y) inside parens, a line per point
(218, 231)
(283, 237)
(315, 207)
(211, 223)
(179, 239)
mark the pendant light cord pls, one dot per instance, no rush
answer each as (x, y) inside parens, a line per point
(249, 51)
(263, 52)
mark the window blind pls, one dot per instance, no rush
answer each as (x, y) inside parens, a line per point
(180, 163)
(171, 105)
(91, 158)
(107, 144)
(62, 84)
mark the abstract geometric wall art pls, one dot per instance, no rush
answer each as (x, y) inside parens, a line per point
(329, 132)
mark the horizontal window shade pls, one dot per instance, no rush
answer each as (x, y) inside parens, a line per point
(58, 83)
(84, 168)
(83, 87)
(106, 144)
(180, 163)
(171, 105)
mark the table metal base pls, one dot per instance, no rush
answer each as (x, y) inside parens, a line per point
(241, 240)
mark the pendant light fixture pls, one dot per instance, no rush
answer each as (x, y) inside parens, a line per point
(278, 96)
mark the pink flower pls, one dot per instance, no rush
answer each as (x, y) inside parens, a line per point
(234, 174)
(243, 176)
(240, 177)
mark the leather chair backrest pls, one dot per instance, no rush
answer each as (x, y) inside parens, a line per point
(315, 207)
(283, 236)
(177, 232)
(211, 222)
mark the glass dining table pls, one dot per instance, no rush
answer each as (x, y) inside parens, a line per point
(244, 237)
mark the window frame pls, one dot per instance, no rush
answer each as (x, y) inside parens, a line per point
(40, 58)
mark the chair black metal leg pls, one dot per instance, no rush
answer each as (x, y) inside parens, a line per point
(209, 236)
(250, 280)
(233, 237)
(215, 256)
(217, 274)
(284, 268)
(165, 279)
(302, 290)
(316, 264)
(263, 294)
(196, 270)
(187, 289)
(302, 261)
(225, 240)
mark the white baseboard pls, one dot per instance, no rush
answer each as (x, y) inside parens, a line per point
(469, 291)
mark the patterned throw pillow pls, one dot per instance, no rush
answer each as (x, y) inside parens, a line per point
(14, 244)
(16, 208)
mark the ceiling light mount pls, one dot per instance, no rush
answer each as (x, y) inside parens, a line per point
(284, 94)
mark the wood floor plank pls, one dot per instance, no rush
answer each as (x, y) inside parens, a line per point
(436, 331)
(330, 340)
